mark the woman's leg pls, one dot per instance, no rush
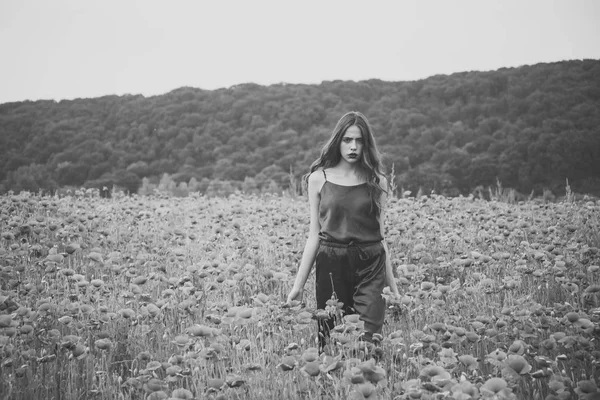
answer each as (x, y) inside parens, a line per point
(369, 281)
(333, 280)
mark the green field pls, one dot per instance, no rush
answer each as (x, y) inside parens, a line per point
(183, 298)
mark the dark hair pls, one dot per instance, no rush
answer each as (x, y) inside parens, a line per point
(370, 159)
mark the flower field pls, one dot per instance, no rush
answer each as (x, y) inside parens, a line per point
(183, 298)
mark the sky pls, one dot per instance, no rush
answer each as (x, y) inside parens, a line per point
(67, 49)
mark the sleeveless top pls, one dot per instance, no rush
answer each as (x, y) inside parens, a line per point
(346, 215)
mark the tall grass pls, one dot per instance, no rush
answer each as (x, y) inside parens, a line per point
(156, 297)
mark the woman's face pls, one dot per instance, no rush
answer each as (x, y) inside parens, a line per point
(352, 145)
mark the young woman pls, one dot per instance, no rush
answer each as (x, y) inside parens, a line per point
(346, 193)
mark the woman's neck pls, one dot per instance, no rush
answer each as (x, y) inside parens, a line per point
(349, 170)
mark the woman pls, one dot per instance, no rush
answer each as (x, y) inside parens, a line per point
(346, 194)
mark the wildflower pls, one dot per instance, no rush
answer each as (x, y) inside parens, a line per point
(153, 366)
(173, 373)
(419, 248)
(438, 326)
(329, 363)
(497, 355)
(292, 346)
(352, 319)
(571, 287)
(311, 368)
(200, 330)
(593, 289)
(95, 256)
(447, 357)
(465, 390)
(586, 388)
(234, 380)
(584, 324)
(494, 386)
(72, 248)
(472, 336)
(469, 361)
(372, 372)
(82, 283)
(181, 341)
(408, 270)
(67, 272)
(155, 385)
(26, 329)
(103, 344)
(437, 375)
(541, 373)
(367, 390)
(127, 313)
(65, 320)
(549, 344)
(152, 309)
(288, 363)
(245, 313)
(304, 317)
(444, 288)
(406, 300)
(310, 354)
(354, 375)
(518, 347)
(79, 352)
(182, 394)
(5, 320)
(53, 335)
(518, 364)
(412, 387)
(556, 384)
(140, 280)
(6, 235)
(251, 367)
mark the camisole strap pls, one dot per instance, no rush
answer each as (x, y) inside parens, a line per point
(325, 175)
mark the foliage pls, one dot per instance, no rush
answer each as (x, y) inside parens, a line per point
(530, 127)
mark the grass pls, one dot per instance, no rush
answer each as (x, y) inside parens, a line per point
(157, 297)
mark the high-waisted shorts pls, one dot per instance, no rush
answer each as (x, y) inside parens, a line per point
(355, 272)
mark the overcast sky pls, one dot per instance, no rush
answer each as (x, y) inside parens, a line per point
(66, 49)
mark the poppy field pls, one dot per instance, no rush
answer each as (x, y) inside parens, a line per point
(184, 298)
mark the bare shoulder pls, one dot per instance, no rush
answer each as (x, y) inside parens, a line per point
(317, 177)
(316, 180)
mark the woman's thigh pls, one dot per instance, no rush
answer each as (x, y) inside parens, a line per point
(333, 275)
(368, 288)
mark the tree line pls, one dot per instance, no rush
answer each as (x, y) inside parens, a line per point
(531, 128)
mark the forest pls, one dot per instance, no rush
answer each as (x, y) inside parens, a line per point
(531, 128)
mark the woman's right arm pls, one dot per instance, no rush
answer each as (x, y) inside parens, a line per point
(315, 182)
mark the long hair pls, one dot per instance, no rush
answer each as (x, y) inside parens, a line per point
(371, 166)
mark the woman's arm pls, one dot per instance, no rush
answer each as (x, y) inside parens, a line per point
(315, 182)
(389, 273)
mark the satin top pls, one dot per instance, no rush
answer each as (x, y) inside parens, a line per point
(346, 214)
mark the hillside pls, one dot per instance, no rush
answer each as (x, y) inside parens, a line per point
(530, 127)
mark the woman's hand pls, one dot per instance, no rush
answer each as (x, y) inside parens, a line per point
(295, 294)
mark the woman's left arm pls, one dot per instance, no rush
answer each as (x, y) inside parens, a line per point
(389, 273)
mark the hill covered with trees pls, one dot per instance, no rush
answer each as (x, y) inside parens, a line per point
(530, 128)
